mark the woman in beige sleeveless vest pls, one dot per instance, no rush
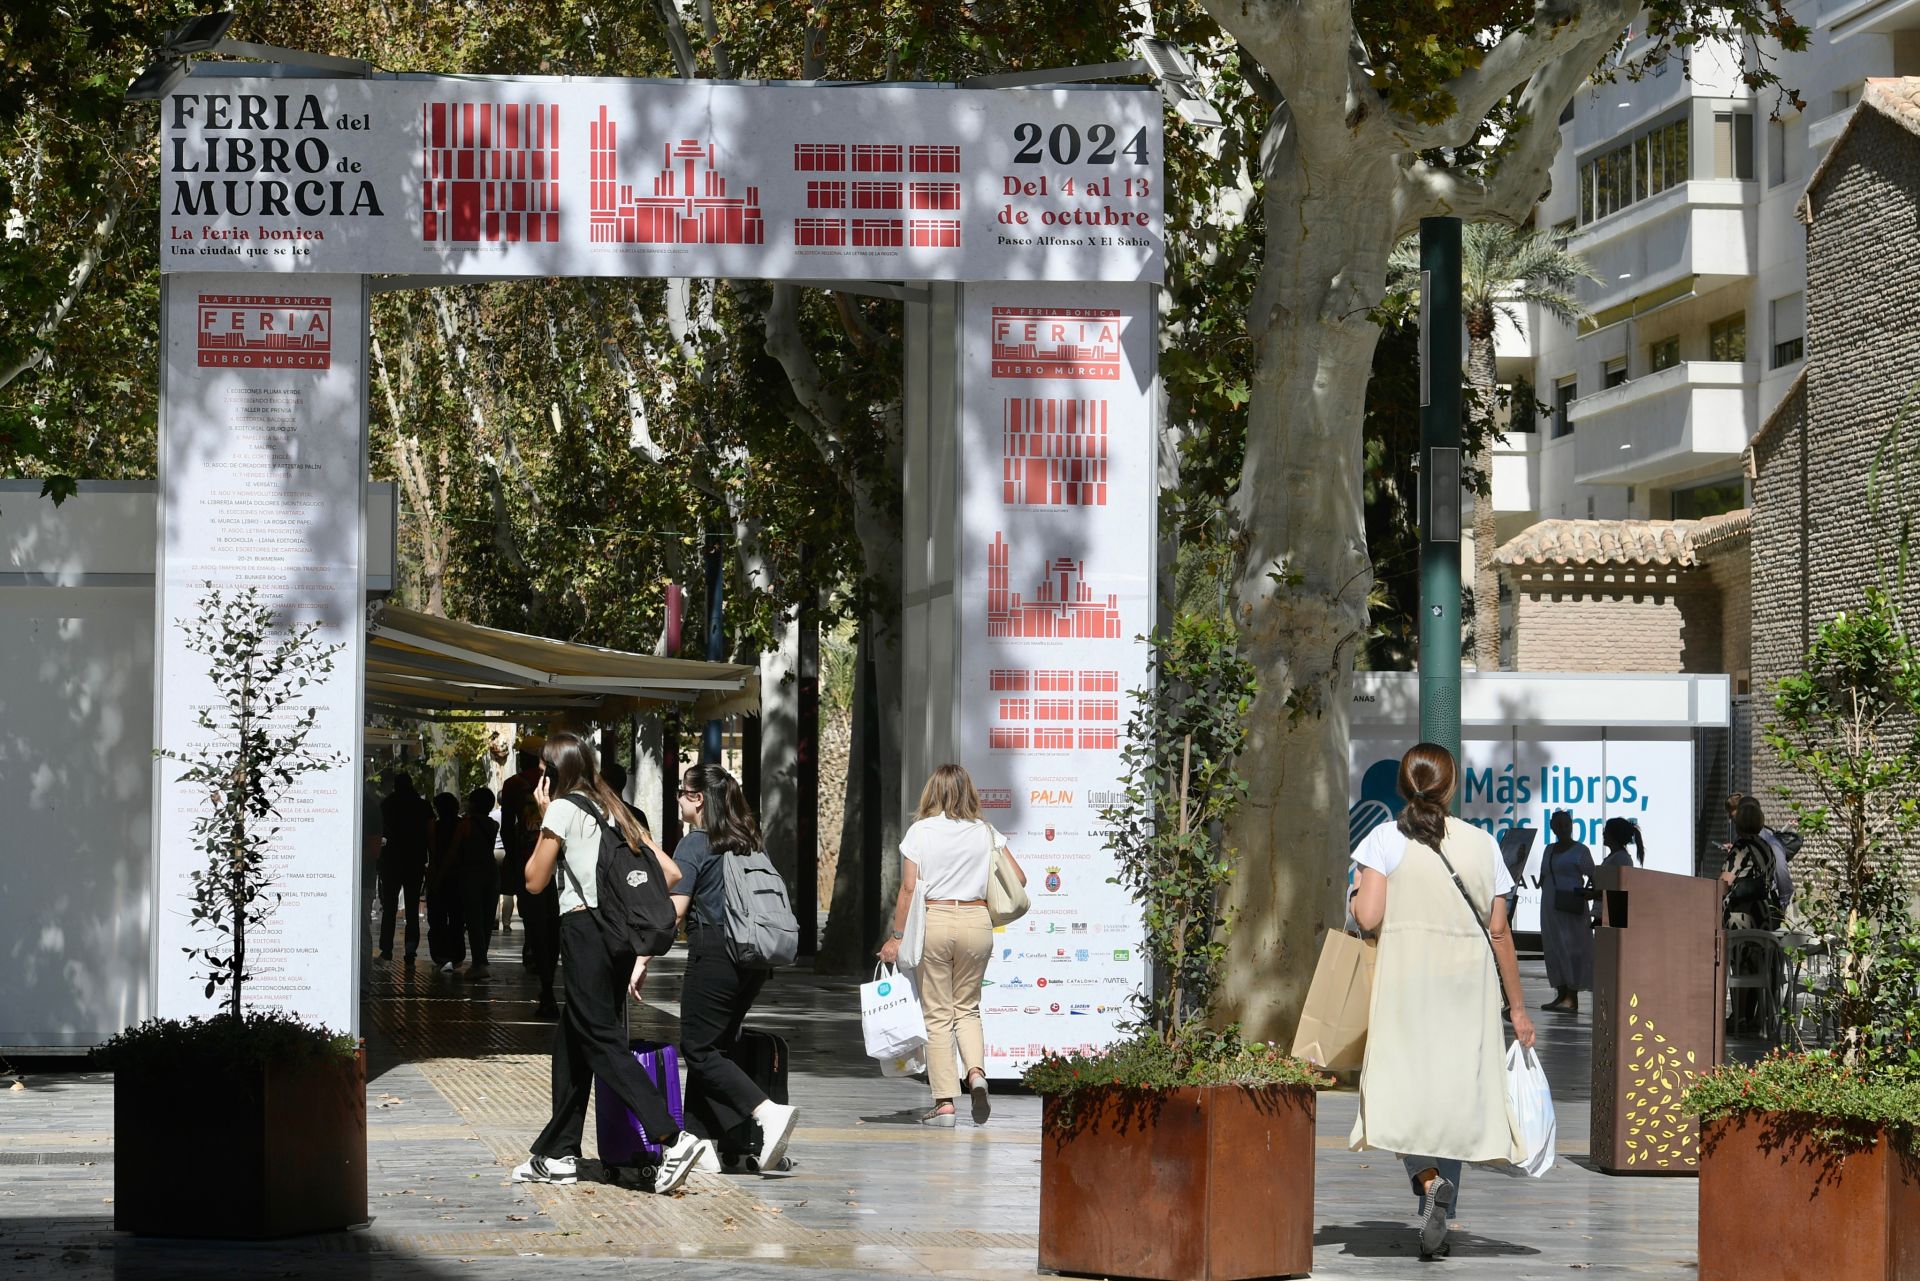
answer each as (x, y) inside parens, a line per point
(1433, 1084)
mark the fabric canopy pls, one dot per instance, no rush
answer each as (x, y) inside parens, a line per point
(434, 668)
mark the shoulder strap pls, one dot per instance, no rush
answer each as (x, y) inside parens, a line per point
(1472, 911)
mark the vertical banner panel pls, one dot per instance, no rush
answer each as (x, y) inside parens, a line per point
(1055, 588)
(262, 470)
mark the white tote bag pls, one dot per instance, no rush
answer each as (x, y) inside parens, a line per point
(1531, 1104)
(1007, 898)
(890, 1018)
(913, 936)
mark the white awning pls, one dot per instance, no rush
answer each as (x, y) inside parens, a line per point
(437, 669)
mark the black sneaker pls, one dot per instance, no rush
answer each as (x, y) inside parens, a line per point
(1434, 1207)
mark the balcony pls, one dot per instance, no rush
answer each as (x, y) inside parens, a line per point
(1845, 18)
(1665, 426)
(1705, 230)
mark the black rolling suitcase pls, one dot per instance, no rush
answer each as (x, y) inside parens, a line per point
(762, 1056)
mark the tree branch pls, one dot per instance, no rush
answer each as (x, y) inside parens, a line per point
(676, 28)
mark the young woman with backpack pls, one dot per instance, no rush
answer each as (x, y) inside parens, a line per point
(717, 993)
(574, 802)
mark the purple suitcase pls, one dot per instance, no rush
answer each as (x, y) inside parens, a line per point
(623, 1140)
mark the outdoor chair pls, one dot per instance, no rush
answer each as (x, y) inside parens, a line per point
(1809, 976)
(1754, 965)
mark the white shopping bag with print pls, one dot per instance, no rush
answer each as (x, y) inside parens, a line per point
(890, 1017)
(1530, 1103)
(912, 1063)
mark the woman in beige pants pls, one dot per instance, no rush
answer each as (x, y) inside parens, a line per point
(945, 856)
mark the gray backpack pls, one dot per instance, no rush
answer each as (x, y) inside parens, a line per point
(761, 930)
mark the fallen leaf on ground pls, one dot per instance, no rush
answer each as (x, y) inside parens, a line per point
(516, 1218)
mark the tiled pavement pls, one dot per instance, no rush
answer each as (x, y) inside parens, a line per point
(458, 1085)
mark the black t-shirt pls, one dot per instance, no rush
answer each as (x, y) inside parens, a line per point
(702, 879)
(406, 819)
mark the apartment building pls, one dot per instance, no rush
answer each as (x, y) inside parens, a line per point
(1680, 189)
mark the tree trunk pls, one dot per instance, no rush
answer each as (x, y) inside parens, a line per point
(1482, 375)
(1304, 575)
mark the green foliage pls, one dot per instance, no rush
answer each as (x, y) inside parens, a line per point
(1148, 1062)
(1180, 785)
(1846, 724)
(254, 1039)
(253, 753)
(1840, 1104)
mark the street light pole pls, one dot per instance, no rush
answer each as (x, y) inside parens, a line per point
(1439, 491)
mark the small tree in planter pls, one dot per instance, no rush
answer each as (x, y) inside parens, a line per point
(1177, 1093)
(1820, 1145)
(289, 1129)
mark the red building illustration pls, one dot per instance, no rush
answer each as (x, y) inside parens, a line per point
(489, 172)
(686, 202)
(1064, 606)
(1074, 343)
(869, 194)
(1053, 452)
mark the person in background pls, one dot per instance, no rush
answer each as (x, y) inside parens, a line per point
(407, 822)
(371, 841)
(572, 801)
(1616, 836)
(947, 856)
(716, 995)
(1433, 1082)
(516, 793)
(1566, 914)
(476, 873)
(616, 775)
(1754, 868)
(446, 899)
(540, 925)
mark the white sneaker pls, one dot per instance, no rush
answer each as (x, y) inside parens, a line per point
(547, 1169)
(446, 967)
(679, 1160)
(776, 1128)
(708, 1162)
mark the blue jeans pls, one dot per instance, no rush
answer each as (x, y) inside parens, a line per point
(1449, 1170)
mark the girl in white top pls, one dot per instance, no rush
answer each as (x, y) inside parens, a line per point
(1433, 1084)
(945, 858)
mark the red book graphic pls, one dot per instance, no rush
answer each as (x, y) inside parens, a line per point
(1074, 343)
(1053, 452)
(1064, 606)
(264, 331)
(489, 172)
(686, 203)
(870, 194)
(1052, 721)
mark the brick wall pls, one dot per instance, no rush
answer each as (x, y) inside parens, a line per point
(1616, 619)
(1816, 543)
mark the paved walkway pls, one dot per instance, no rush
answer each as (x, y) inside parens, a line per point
(458, 1086)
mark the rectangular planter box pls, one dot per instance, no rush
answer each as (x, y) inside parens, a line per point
(1775, 1206)
(1210, 1183)
(241, 1154)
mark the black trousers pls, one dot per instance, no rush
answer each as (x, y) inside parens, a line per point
(540, 919)
(479, 894)
(715, 997)
(446, 919)
(398, 881)
(592, 1040)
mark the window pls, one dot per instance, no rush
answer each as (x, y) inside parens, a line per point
(1711, 499)
(1727, 338)
(1564, 394)
(1733, 145)
(1664, 354)
(1788, 316)
(1636, 169)
(1776, 153)
(1845, 98)
(1613, 372)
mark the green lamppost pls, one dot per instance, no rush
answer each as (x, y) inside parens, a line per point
(1440, 482)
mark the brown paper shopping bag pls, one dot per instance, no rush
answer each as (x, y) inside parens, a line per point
(1333, 1026)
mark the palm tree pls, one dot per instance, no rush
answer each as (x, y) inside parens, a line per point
(1501, 268)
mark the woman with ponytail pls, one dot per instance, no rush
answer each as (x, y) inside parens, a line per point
(1433, 1083)
(1616, 836)
(575, 803)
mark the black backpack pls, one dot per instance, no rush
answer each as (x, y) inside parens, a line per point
(635, 912)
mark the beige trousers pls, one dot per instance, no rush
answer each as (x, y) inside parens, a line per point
(959, 941)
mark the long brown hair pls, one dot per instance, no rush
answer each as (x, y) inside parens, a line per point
(730, 825)
(575, 767)
(1427, 778)
(950, 792)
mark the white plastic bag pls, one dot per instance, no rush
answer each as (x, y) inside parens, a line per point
(890, 1016)
(1530, 1102)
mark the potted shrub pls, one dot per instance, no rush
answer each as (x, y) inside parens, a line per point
(1808, 1163)
(274, 1107)
(1211, 1137)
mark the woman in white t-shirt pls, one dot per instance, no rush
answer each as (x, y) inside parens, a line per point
(945, 856)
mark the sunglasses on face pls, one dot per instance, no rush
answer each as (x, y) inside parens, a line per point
(693, 794)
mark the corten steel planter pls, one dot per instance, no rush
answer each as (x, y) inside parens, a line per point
(1208, 1183)
(241, 1153)
(1777, 1206)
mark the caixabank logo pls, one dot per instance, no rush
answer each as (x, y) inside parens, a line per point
(264, 331)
